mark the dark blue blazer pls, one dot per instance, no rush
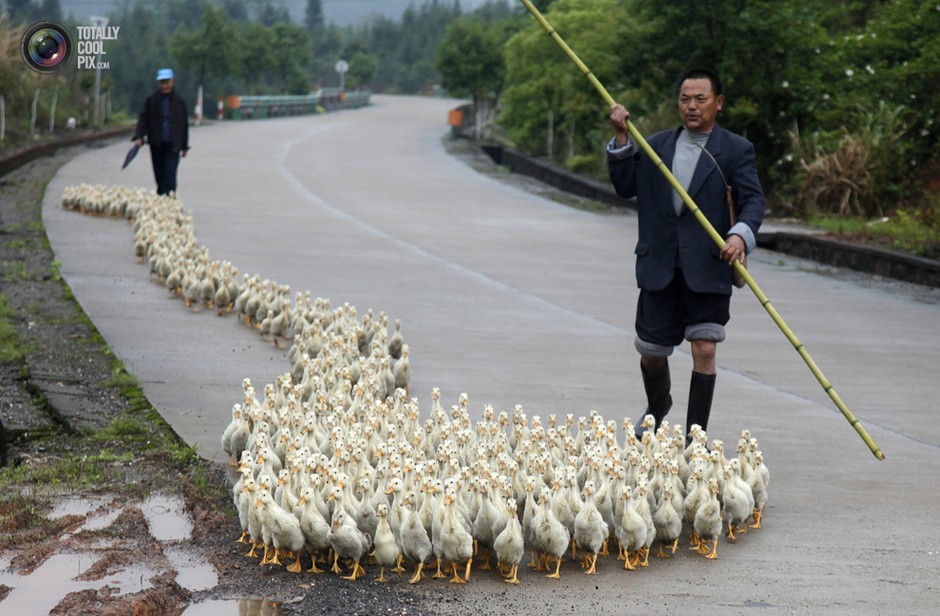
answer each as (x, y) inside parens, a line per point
(667, 240)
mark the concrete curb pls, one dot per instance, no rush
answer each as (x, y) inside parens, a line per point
(880, 261)
(18, 158)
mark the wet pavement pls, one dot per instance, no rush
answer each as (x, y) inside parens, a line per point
(516, 299)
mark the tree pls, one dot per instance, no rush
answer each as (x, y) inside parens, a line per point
(470, 62)
(270, 12)
(313, 16)
(326, 43)
(469, 59)
(291, 58)
(208, 50)
(363, 66)
(255, 54)
(544, 90)
(236, 10)
(14, 76)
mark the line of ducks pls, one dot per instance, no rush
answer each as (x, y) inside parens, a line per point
(166, 242)
(334, 462)
(350, 477)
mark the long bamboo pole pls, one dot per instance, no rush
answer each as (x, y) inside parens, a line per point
(700, 216)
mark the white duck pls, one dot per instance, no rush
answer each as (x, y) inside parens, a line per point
(590, 529)
(486, 517)
(551, 535)
(737, 477)
(758, 483)
(415, 542)
(347, 542)
(509, 545)
(642, 506)
(707, 522)
(396, 342)
(255, 535)
(402, 370)
(314, 527)
(738, 508)
(561, 506)
(246, 497)
(366, 512)
(386, 550)
(668, 522)
(697, 494)
(528, 515)
(280, 529)
(630, 531)
(456, 541)
(235, 435)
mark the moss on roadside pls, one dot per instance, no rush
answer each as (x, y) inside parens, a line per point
(13, 348)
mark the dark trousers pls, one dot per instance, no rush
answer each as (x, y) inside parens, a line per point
(166, 161)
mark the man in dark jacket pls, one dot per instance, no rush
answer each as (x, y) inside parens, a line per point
(684, 278)
(165, 126)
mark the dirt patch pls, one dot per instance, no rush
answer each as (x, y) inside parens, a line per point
(166, 597)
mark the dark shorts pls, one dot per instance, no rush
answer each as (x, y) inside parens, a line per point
(665, 318)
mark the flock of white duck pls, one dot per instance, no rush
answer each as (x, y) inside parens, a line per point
(335, 464)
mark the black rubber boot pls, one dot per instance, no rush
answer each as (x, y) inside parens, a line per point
(658, 384)
(701, 392)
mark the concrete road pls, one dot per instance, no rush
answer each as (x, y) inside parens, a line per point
(516, 299)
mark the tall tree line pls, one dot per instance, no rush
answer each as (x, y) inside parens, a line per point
(233, 47)
(804, 80)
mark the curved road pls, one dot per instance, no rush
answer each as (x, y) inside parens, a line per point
(516, 299)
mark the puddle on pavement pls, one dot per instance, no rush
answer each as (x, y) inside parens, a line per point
(31, 593)
(255, 607)
(168, 522)
(167, 518)
(91, 508)
(192, 573)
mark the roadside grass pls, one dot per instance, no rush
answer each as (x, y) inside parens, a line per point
(13, 349)
(915, 231)
(120, 457)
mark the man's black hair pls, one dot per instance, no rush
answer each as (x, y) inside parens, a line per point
(703, 73)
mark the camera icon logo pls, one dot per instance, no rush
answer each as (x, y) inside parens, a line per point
(46, 46)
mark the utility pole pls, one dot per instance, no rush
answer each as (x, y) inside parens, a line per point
(98, 22)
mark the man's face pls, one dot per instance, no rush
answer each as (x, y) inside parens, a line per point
(166, 85)
(698, 105)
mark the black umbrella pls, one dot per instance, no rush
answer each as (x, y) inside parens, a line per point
(130, 155)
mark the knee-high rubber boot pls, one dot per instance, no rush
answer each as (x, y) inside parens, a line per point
(657, 384)
(701, 392)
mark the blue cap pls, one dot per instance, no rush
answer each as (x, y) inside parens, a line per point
(164, 73)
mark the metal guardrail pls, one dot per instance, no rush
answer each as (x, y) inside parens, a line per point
(239, 107)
